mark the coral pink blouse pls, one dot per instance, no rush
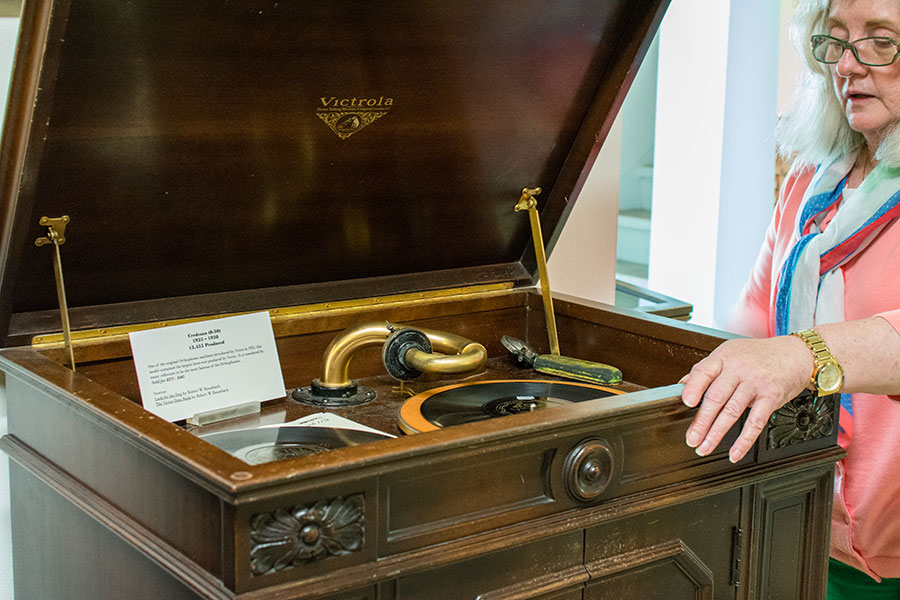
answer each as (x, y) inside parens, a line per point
(865, 529)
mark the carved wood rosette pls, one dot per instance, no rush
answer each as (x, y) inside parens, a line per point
(301, 534)
(806, 417)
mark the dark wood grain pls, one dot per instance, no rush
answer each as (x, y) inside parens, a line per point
(432, 503)
(185, 142)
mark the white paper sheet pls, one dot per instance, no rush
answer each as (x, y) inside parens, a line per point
(328, 420)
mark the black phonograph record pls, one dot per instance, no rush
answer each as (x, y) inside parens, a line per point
(466, 403)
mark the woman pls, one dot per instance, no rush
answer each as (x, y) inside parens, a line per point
(829, 273)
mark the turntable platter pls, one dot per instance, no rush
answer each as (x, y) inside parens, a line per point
(267, 444)
(466, 403)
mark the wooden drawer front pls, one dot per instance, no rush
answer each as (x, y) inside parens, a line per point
(485, 487)
(667, 459)
(685, 550)
(542, 570)
(465, 494)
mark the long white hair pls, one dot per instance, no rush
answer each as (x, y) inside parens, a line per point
(813, 128)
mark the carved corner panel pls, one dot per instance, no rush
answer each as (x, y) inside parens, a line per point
(301, 534)
(806, 417)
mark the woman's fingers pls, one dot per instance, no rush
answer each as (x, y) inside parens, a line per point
(696, 382)
(759, 374)
(716, 396)
(756, 420)
(736, 399)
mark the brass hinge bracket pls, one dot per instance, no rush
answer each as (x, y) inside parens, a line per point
(56, 235)
(527, 202)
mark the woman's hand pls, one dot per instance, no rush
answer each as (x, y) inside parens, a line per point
(762, 374)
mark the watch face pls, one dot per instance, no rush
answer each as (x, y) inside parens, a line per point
(829, 379)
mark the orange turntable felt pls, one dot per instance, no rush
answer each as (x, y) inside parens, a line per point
(465, 403)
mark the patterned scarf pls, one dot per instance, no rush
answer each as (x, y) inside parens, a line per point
(810, 288)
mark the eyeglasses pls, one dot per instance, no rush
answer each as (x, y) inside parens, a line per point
(870, 51)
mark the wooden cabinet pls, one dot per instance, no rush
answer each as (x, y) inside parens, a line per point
(503, 508)
(336, 164)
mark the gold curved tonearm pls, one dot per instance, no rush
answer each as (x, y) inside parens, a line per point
(451, 353)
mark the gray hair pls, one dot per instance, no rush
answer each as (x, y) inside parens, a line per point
(813, 128)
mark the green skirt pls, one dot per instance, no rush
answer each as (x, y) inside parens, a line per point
(847, 583)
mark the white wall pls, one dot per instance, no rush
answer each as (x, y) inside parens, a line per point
(583, 263)
(747, 192)
(790, 64)
(714, 155)
(687, 158)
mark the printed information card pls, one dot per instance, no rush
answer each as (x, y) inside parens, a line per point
(184, 370)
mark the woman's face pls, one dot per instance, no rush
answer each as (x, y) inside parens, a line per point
(870, 96)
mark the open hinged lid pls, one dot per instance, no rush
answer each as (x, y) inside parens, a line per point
(216, 157)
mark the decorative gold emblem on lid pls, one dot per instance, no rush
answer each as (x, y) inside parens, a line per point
(346, 116)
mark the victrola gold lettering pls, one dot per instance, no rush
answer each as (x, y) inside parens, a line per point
(346, 116)
(357, 102)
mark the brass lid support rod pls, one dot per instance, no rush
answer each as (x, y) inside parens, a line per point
(527, 202)
(56, 235)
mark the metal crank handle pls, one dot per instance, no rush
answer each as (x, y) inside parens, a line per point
(574, 368)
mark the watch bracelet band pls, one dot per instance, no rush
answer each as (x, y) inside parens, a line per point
(818, 347)
(816, 344)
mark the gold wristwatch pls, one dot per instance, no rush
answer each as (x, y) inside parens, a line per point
(827, 376)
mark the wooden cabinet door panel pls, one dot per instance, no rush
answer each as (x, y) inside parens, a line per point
(790, 535)
(549, 569)
(682, 551)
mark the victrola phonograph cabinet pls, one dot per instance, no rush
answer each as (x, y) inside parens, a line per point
(353, 168)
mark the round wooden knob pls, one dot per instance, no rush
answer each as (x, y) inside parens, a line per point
(587, 470)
